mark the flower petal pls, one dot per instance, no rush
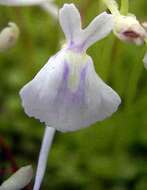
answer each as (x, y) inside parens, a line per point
(18, 180)
(78, 38)
(99, 28)
(52, 99)
(70, 21)
(21, 2)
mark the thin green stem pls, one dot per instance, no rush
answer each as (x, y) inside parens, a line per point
(112, 6)
(124, 7)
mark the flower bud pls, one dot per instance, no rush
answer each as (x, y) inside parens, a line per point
(128, 28)
(9, 36)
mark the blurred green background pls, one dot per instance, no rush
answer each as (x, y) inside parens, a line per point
(110, 155)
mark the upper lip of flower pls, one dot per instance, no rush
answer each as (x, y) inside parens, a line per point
(79, 39)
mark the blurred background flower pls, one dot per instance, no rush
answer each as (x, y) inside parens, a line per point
(111, 155)
(21, 2)
(19, 179)
(9, 36)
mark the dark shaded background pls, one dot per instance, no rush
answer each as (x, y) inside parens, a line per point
(111, 155)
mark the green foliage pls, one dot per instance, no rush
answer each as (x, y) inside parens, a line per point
(111, 155)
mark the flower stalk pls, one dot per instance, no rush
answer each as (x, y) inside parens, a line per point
(112, 6)
(43, 156)
(124, 7)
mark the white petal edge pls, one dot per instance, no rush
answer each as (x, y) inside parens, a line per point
(70, 21)
(18, 180)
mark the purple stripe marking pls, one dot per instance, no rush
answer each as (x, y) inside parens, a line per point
(65, 95)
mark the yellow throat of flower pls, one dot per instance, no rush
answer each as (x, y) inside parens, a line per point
(76, 62)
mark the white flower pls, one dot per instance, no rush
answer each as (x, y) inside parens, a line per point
(9, 36)
(67, 94)
(126, 27)
(18, 180)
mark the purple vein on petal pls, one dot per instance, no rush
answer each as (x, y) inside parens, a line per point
(65, 94)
